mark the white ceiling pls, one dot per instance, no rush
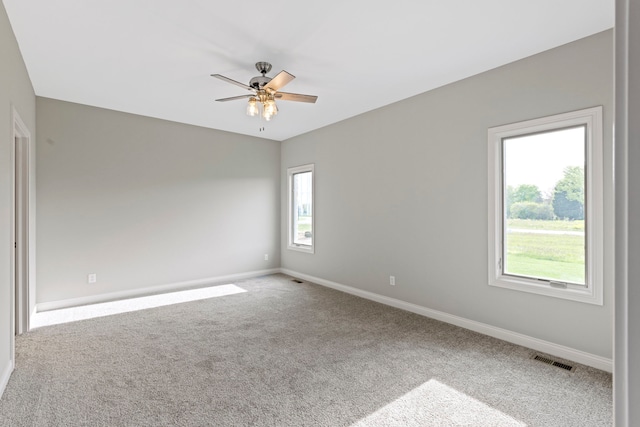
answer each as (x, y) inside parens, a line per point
(155, 57)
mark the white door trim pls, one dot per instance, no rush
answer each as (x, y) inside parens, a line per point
(22, 235)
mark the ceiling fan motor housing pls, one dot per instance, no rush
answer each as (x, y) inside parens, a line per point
(258, 82)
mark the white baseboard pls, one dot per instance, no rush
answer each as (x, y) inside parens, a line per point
(503, 334)
(4, 377)
(170, 287)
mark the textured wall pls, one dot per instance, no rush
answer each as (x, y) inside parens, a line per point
(402, 191)
(144, 202)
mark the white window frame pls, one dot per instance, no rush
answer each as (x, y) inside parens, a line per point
(592, 292)
(290, 234)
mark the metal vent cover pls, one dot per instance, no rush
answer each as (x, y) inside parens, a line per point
(552, 362)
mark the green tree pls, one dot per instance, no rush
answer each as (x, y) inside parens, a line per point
(508, 200)
(568, 194)
(532, 210)
(521, 194)
(526, 193)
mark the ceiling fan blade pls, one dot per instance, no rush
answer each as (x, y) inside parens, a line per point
(233, 98)
(285, 96)
(281, 79)
(233, 82)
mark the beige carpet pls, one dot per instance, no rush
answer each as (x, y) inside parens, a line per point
(289, 354)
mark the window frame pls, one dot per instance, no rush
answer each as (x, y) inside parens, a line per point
(290, 232)
(592, 291)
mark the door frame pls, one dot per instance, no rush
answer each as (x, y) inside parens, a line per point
(22, 229)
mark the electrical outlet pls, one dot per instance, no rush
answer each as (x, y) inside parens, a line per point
(392, 280)
(92, 278)
(266, 257)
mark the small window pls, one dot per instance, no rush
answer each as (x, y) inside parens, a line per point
(546, 206)
(300, 224)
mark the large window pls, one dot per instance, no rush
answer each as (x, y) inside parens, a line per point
(545, 206)
(300, 221)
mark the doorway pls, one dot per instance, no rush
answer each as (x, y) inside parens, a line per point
(21, 224)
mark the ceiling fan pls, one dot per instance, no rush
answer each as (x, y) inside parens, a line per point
(265, 90)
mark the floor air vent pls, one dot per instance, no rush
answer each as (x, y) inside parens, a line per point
(297, 281)
(553, 362)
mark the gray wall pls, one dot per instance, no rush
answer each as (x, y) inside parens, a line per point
(144, 202)
(402, 191)
(627, 137)
(15, 91)
(633, 301)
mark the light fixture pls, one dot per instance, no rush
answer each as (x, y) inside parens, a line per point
(252, 108)
(266, 100)
(264, 91)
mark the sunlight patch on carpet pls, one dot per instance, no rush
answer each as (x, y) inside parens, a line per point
(436, 404)
(65, 315)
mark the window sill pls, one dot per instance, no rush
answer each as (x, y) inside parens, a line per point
(301, 248)
(571, 292)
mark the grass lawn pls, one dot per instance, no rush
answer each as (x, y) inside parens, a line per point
(550, 256)
(531, 224)
(521, 265)
(304, 224)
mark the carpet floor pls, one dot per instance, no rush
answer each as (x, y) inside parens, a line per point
(289, 354)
